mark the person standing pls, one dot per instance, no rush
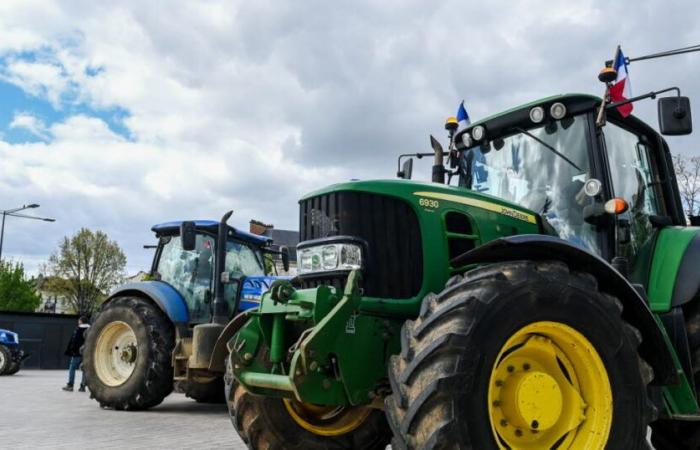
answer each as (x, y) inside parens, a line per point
(73, 350)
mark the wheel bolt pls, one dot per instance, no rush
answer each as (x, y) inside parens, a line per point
(511, 369)
(496, 403)
(534, 425)
(526, 366)
(499, 383)
(518, 433)
(504, 423)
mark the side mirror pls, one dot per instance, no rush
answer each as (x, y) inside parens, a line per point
(188, 237)
(284, 251)
(406, 170)
(674, 116)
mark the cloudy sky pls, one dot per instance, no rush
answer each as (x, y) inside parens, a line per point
(119, 115)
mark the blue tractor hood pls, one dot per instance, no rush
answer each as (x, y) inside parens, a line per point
(254, 288)
(8, 337)
(211, 226)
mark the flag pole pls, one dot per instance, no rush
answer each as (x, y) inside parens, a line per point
(600, 120)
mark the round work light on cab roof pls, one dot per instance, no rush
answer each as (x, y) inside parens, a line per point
(537, 114)
(466, 140)
(478, 133)
(557, 111)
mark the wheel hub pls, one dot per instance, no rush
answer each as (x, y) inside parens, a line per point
(532, 400)
(128, 354)
(536, 391)
(115, 353)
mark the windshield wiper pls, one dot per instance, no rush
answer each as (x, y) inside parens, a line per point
(554, 150)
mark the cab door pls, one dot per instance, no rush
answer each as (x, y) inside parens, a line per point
(190, 273)
(633, 162)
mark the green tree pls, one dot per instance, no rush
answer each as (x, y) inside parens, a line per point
(84, 269)
(17, 293)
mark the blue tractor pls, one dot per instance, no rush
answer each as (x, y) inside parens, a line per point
(169, 331)
(11, 355)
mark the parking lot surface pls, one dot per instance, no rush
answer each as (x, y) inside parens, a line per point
(37, 414)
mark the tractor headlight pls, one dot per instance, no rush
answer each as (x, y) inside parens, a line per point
(329, 257)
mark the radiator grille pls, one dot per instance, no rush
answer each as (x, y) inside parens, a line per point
(394, 266)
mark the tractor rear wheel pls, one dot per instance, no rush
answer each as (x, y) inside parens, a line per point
(519, 355)
(5, 359)
(212, 392)
(127, 355)
(275, 424)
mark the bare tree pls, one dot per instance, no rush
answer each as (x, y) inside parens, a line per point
(688, 176)
(84, 269)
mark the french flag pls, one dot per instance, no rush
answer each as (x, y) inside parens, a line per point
(620, 89)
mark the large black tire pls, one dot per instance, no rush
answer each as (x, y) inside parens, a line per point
(13, 369)
(684, 435)
(264, 423)
(212, 392)
(5, 359)
(152, 377)
(440, 380)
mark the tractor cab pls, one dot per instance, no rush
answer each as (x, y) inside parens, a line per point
(191, 271)
(606, 186)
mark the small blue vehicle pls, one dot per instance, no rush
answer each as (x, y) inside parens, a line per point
(11, 355)
(169, 331)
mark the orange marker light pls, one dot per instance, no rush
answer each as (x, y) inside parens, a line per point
(616, 206)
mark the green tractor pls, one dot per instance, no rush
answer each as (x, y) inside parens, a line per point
(542, 292)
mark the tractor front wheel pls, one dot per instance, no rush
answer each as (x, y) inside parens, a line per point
(276, 424)
(519, 355)
(5, 359)
(127, 355)
(211, 392)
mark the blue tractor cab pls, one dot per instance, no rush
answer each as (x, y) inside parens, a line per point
(204, 273)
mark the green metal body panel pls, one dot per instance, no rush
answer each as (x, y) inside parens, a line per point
(328, 347)
(490, 218)
(671, 244)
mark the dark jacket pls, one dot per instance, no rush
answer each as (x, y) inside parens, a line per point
(77, 340)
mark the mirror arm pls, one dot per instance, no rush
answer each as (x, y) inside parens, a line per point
(651, 95)
(408, 155)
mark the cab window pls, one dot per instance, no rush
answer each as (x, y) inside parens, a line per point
(190, 273)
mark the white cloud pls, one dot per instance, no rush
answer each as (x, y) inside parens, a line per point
(30, 123)
(247, 105)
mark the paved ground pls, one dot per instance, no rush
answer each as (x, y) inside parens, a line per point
(37, 414)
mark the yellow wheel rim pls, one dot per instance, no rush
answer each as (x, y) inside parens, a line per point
(115, 353)
(327, 420)
(549, 387)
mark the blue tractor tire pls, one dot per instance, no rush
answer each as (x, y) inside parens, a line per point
(127, 355)
(5, 360)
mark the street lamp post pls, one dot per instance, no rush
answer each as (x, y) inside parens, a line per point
(13, 213)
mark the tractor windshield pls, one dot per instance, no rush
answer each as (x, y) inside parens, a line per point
(543, 169)
(191, 272)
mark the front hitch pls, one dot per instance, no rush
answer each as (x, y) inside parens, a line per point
(314, 345)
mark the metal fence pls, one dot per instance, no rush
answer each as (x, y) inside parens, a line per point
(44, 336)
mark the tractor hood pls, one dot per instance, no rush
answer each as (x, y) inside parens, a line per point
(452, 196)
(8, 337)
